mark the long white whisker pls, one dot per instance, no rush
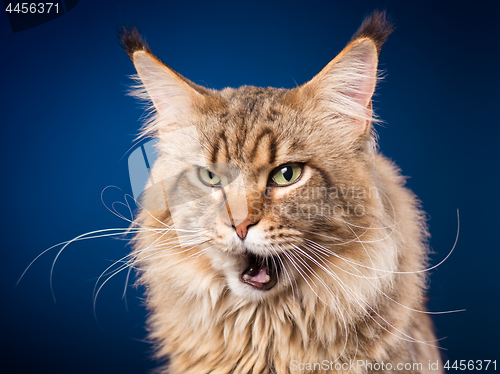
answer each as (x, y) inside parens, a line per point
(121, 231)
(395, 271)
(358, 299)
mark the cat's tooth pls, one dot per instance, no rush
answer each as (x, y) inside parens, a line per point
(268, 278)
(246, 277)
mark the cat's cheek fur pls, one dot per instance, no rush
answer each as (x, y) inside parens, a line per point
(257, 243)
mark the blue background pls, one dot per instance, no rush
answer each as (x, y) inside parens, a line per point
(67, 125)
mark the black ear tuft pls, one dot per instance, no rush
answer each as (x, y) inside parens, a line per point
(131, 40)
(375, 27)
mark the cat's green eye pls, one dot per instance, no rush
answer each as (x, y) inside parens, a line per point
(286, 174)
(209, 178)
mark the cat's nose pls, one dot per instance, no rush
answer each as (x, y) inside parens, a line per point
(254, 214)
(242, 228)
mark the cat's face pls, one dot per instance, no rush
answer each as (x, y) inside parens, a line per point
(259, 185)
(255, 180)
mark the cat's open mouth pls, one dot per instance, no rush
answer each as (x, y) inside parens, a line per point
(261, 272)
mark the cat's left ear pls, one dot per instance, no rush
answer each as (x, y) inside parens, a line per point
(344, 88)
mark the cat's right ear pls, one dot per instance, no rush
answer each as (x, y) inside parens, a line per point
(173, 96)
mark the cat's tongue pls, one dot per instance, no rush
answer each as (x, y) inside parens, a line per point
(259, 272)
(257, 277)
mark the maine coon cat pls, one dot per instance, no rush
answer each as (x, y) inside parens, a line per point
(276, 238)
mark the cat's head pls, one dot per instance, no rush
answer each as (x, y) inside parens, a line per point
(259, 188)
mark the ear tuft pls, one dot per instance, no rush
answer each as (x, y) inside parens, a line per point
(131, 40)
(375, 27)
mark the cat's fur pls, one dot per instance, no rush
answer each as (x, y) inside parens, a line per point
(350, 286)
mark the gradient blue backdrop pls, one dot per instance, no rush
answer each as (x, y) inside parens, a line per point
(66, 124)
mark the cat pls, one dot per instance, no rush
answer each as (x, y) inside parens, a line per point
(273, 236)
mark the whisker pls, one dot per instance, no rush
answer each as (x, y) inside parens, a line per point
(360, 275)
(395, 271)
(126, 265)
(358, 299)
(121, 231)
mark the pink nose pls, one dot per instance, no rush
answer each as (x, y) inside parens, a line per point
(242, 228)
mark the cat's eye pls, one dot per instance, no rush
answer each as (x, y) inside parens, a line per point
(209, 178)
(286, 174)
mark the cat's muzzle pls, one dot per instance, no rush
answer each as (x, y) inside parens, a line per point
(260, 272)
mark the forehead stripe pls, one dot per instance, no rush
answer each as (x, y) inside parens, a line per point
(272, 147)
(220, 139)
